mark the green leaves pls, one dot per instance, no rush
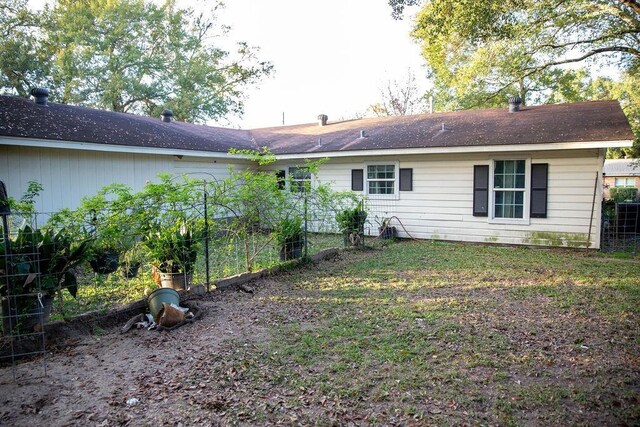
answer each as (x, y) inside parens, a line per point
(42, 260)
(128, 56)
(481, 52)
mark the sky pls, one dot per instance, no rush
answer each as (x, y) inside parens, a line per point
(330, 57)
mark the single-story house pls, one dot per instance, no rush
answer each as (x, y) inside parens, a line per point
(620, 173)
(530, 175)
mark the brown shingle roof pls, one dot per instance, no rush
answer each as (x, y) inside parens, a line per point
(621, 167)
(579, 122)
(20, 117)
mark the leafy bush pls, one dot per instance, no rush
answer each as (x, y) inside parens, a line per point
(41, 261)
(351, 223)
(623, 194)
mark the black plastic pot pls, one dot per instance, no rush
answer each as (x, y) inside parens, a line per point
(105, 263)
(129, 271)
(291, 250)
(386, 233)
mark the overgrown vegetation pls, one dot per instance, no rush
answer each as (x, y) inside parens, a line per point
(195, 228)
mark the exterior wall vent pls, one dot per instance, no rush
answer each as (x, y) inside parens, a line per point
(40, 95)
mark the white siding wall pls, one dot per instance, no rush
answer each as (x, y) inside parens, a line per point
(440, 205)
(68, 175)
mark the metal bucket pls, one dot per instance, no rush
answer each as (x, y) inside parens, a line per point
(160, 295)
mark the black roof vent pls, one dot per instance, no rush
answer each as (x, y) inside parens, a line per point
(514, 104)
(41, 95)
(167, 115)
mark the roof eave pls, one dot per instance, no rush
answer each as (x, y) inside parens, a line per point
(554, 146)
(110, 148)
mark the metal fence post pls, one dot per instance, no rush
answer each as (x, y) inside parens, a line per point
(306, 249)
(206, 236)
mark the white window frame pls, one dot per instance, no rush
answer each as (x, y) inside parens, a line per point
(525, 220)
(626, 182)
(289, 180)
(396, 180)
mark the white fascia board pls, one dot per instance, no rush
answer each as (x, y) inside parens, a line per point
(466, 149)
(109, 148)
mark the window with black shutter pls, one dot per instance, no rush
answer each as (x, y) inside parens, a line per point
(539, 174)
(481, 190)
(281, 177)
(406, 179)
(357, 180)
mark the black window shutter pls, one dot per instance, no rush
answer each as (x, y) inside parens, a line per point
(406, 179)
(357, 180)
(481, 190)
(539, 173)
(281, 177)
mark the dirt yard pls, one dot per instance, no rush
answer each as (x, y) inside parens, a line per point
(357, 341)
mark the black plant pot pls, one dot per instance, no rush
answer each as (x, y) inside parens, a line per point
(386, 233)
(129, 271)
(291, 250)
(105, 263)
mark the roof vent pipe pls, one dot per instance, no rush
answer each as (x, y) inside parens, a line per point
(167, 115)
(322, 119)
(514, 104)
(363, 134)
(41, 95)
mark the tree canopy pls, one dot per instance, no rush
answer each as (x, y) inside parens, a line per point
(480, 52)
(127, 56)
(399, 98)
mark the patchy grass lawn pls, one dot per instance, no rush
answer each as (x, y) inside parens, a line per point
(448, 334)
(409, 334)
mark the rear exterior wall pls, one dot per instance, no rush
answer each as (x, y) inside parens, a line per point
(440, 204)
(69, 175)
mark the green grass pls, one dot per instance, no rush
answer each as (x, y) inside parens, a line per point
(446, 333)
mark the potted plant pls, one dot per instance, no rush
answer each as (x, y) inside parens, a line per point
(173, 250)
(351, 225)
(289, 236)
(385, 231)
(131, 260)
(39, 266)
(105, 253)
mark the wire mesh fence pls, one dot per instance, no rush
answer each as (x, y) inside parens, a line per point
(190, 243)
(620, 227)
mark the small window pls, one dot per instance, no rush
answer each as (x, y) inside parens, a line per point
(300, 178)
(509, 188)
(381, 179)
(625, 182)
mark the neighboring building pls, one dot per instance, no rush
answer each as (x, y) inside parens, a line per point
(531, 176)
(620, 173)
